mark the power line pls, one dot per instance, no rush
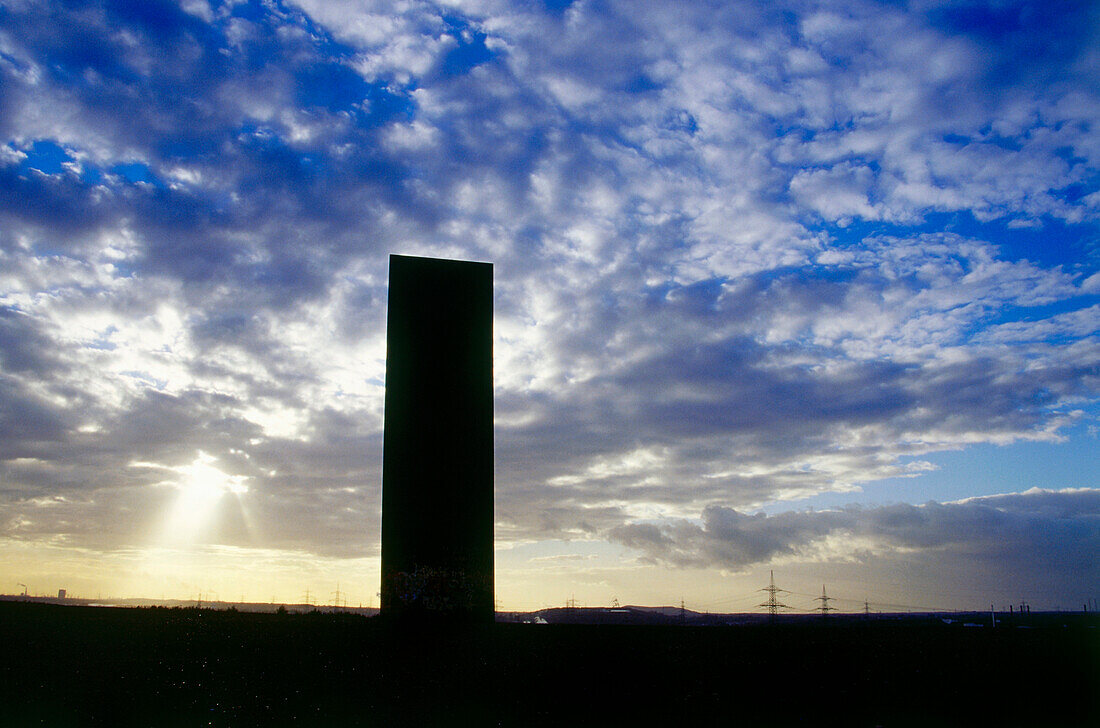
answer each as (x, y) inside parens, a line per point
(908, 607)
(729, 601)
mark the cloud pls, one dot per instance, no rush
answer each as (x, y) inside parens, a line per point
(743, 254)
(1024, 535)
(784, 386)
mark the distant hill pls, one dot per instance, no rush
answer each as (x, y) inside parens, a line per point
(72, 665)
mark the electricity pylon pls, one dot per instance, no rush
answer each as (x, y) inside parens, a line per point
(773, 604)
(824, 599)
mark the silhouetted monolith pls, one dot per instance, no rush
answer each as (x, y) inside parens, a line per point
(437, 467)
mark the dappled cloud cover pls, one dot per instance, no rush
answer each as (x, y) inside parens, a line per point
(746, 254)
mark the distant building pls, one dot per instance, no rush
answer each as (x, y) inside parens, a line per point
(61, 593)
(437, 462)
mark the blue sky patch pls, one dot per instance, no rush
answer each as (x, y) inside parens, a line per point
(470, 52)
(135, 172)
(45, 156)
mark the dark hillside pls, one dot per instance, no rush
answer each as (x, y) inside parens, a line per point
(85, 666)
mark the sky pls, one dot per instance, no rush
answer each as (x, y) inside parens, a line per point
(802, 287)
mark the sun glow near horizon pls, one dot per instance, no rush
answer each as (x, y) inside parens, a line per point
(195, 511)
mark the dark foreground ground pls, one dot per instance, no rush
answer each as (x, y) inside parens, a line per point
(87, 666)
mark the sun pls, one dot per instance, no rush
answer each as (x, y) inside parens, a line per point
(201, 488)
